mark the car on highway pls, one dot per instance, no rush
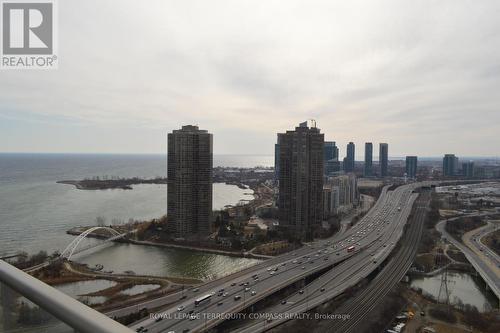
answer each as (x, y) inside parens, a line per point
(237, 297)
(283, 302)
(180, 308)
(254, 292)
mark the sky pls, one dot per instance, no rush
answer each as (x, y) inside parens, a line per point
(423, 76)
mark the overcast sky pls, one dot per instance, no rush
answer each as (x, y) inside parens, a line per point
(423, 76)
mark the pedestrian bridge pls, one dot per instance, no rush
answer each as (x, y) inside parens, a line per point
(73, 247)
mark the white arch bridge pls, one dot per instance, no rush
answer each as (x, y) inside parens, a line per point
(71, 249)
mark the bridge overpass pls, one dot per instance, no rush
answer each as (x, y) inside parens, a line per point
(485, 270)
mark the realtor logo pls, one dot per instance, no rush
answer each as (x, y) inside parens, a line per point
(28, 34)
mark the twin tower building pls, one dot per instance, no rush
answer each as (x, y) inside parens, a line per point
(190, 163)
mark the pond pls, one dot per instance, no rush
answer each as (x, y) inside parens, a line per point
(139, 289)
(463, 288)
(75, 289)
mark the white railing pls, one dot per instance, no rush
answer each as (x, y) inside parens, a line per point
(75, 314)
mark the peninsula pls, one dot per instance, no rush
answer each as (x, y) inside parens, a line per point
(115, 183)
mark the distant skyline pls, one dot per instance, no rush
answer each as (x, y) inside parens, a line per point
(420, 75)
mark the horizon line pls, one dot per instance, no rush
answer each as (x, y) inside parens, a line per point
(361, 158)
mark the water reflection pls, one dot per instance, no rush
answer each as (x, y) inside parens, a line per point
(75, 289)
(139, 289)
(150, 260)
(92, 300)
(11, 311)
(463, 289)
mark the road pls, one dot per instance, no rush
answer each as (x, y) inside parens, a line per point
(359, 307)
(376, 234)
(482, 267)
(342, 277)
(175, 298)
(474, 240)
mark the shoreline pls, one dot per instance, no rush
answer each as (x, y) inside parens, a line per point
(247, 255)
(126, 184)
(111, 184)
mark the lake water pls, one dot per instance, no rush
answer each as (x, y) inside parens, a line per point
(35, 212)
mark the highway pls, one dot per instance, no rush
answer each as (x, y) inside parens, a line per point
(361, 305)
(342, 277)
(474, 240)
(484, 268)
(175, 298)
(375, 235)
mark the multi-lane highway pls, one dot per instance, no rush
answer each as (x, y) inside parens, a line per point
(372, 238)
(361, 305)
(345, 275)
